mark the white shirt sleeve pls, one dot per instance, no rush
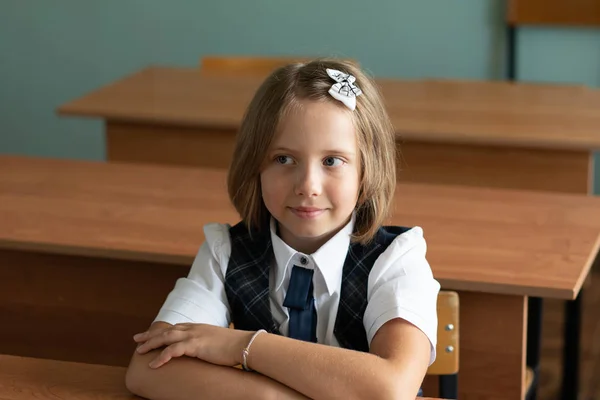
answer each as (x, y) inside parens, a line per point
(201, 297)
(401, 285)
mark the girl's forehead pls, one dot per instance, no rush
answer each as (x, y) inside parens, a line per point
(321, 118)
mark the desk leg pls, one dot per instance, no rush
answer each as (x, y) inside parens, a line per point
(572, 327)
(534, 343)
(571, 350)
(492, 347)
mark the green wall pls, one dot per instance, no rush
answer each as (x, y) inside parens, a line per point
(54, 51)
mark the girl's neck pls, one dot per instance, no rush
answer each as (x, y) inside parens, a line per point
(304, 245)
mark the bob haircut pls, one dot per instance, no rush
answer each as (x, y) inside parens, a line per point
(277, 95)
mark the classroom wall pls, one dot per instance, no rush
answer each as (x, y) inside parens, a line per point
(54, 51)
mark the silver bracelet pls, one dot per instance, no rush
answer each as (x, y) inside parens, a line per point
(246, 350)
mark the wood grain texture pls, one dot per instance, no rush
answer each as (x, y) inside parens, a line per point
(552, 170)
(23, 378)
(467, 112)
(492, 348)
(554, 12)
(169, 145)
(479, 239)
(26, 378)
(454, 164)
(75, 308)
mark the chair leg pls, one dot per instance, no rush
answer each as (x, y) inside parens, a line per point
(511, 53)
(449, 386)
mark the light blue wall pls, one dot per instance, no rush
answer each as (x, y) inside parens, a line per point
(54, 51)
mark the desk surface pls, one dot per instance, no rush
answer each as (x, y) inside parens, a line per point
(496, 241)
(466, 112)
(24, 378)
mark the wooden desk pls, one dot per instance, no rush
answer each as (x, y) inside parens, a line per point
(25, 378)
(494, 134)
(85, 246)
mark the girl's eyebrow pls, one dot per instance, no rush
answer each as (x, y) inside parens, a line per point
(329, 151)
(280, 148)
(339, 151)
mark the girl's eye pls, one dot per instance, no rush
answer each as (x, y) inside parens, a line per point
(283, 159)
(333, 162)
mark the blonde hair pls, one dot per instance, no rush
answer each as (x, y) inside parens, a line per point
(375, 141)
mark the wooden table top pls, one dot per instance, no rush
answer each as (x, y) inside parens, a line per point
(24, 378)
(467, 112)
(490, 240)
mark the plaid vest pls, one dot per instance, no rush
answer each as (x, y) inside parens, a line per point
(247, 283)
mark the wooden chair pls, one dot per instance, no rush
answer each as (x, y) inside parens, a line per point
(582, 13)
(446, 364)
(244, 65)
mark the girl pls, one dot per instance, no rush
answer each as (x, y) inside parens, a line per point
(326, 302)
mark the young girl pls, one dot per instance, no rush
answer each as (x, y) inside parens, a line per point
(326, 303)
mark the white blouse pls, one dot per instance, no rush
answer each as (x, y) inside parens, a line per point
(401, 284)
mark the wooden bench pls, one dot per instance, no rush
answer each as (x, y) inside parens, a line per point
(85, 245)
(25, 378)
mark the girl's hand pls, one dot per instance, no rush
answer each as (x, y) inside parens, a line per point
(213, 344)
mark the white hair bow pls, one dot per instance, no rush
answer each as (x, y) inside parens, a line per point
(344, 89)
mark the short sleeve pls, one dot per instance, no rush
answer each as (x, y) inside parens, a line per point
(401, 285)
(201, 297)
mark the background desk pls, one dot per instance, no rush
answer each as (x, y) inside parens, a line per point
(458, 132)
(85, 246)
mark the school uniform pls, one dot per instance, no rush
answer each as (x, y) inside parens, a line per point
(243, 277)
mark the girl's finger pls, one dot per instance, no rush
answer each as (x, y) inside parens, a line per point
(165, 338)
(175, 350)
(143, 336)
(140, 337)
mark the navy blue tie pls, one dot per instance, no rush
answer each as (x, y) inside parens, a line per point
(301, 304)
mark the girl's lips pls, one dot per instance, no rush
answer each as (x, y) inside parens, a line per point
(307, 212)
(306, 209)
